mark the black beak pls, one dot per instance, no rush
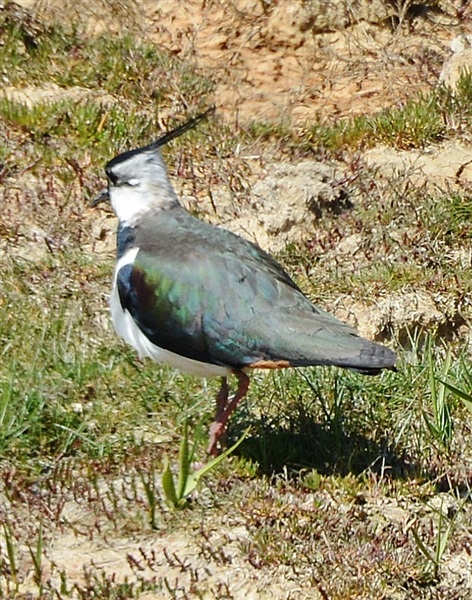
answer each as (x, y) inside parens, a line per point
(102, 196)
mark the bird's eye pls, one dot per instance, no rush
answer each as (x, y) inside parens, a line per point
(111, 176)
(117, 182)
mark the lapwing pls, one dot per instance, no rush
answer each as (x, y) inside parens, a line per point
(206, 301)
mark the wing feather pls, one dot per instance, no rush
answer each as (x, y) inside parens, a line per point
(206, 294)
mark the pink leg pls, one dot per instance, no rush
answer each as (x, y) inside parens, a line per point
(222, 397)
(224, 408)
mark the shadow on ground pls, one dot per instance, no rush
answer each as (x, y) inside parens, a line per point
(320, 447)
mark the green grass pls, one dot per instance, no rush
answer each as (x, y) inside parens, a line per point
(114, 64)
(427, 119)
(339, 473)
(122, 88)
(411, 239)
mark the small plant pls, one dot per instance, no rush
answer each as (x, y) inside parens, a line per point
(441, 426)
(466, 397)
(177, 495)
(149, 484)
(435, 555)
(36, 554)
(9, 562)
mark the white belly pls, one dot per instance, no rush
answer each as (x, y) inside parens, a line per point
(126, 328)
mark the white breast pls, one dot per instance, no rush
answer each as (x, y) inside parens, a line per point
(126, 328)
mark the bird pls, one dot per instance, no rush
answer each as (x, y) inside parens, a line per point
(206, 301)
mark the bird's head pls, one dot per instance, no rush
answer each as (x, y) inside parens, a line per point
(138, 180)
(138, 183)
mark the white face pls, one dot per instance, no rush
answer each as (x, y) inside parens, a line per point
(130, 202)
(138, 183)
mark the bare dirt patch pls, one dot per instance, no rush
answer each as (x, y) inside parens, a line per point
(296, 60)
(304, 60)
